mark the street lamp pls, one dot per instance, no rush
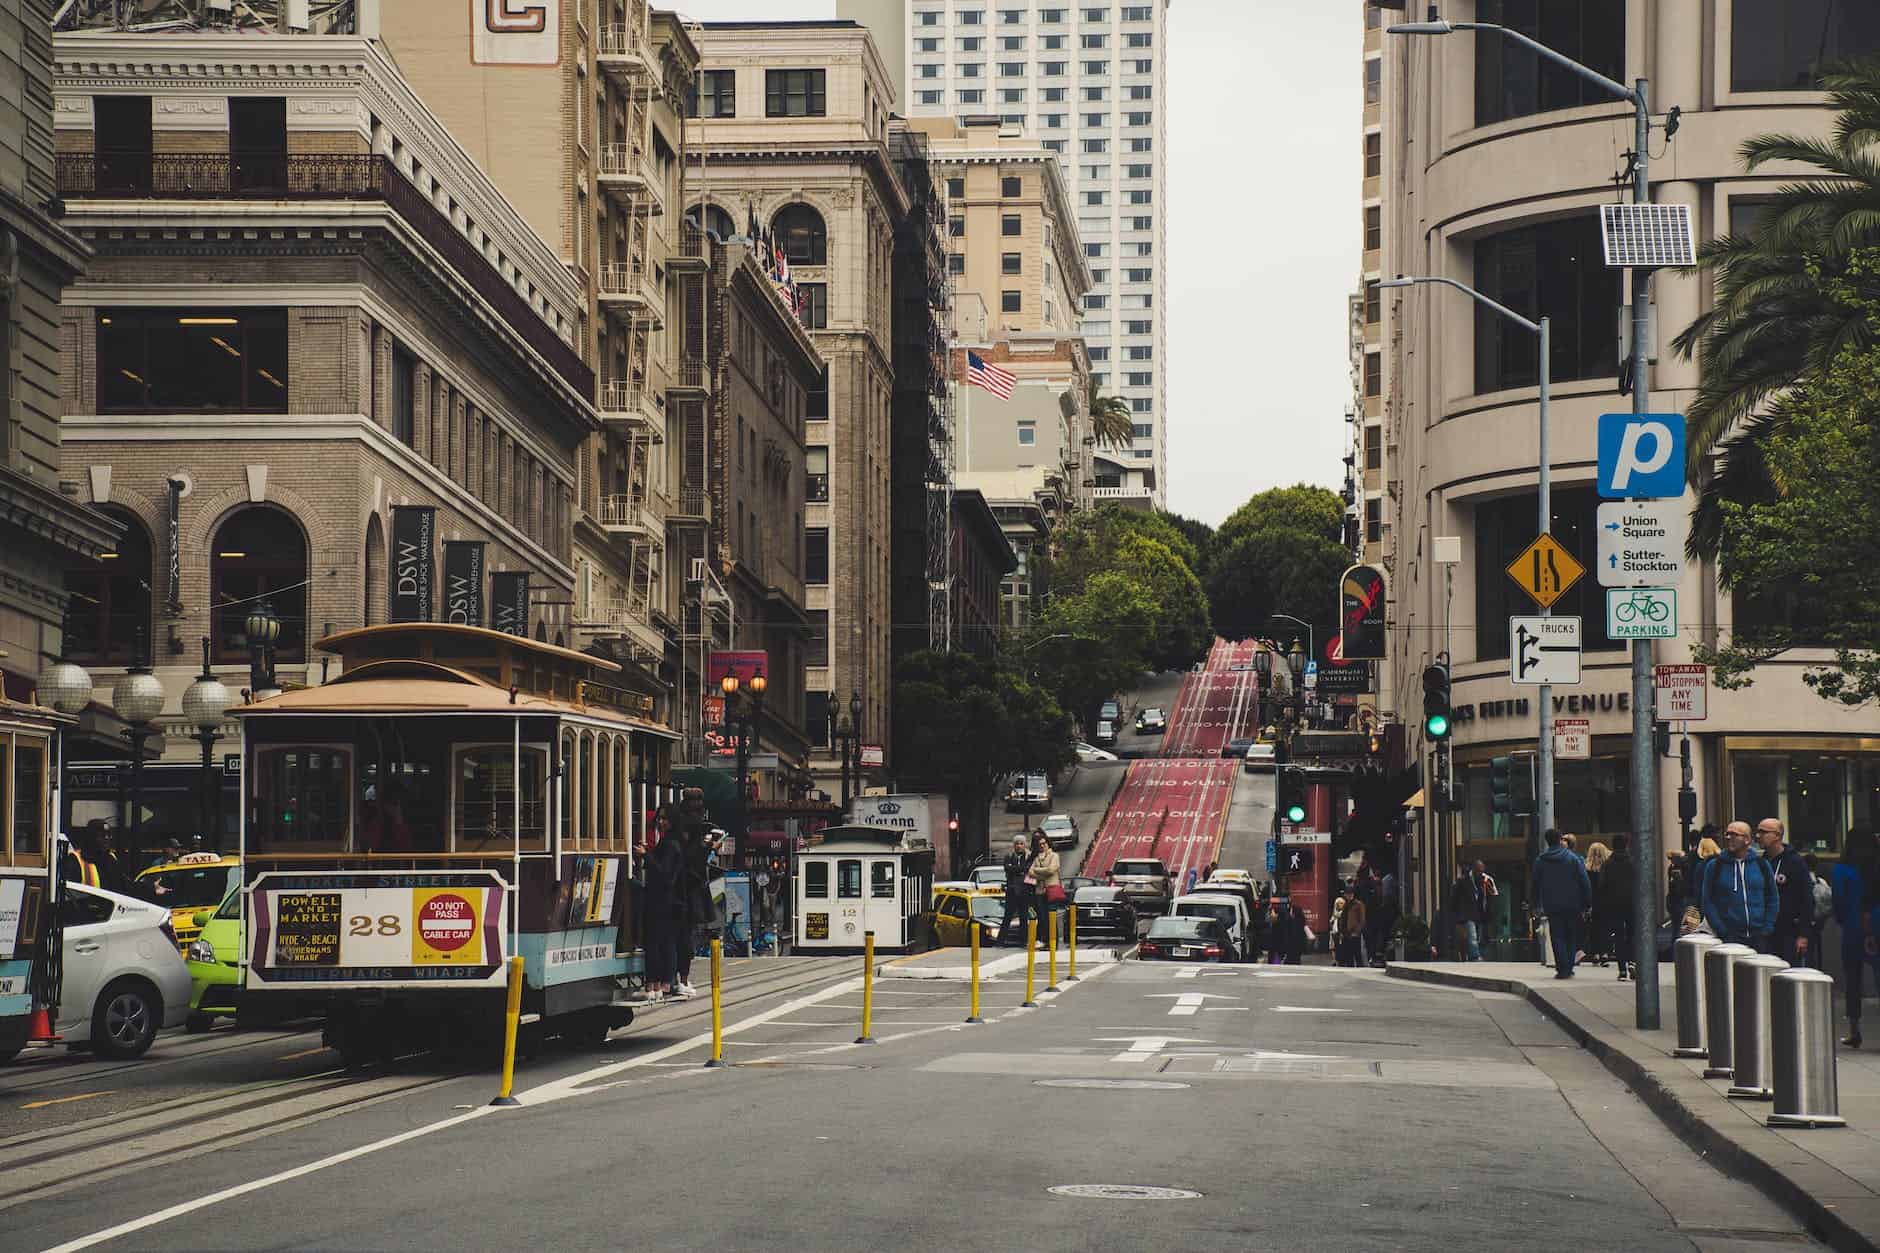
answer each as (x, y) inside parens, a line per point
(137, 696)
(1644, 790)
(744, 725)
(1263, 667)
(205, 702)
(1544, 743)
(264, 627)
(1311, 642)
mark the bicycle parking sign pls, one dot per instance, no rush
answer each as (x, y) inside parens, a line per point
(1641, 613)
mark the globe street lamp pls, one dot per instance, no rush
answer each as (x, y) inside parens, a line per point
(264, 627)
(742, 717)
(205, 702)
(137, 696)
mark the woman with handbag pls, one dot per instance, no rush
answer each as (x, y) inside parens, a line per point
(1047, 891)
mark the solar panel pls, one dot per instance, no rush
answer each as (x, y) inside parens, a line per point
(1647, 236)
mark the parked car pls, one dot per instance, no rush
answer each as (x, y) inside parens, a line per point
(1151, 721)
(1112, 711)
(124, 980)
(988, 877)
(187, 886)
(1103, 910)
(1031, 793)
(1229, 910)
(955, 910)
(1060, 830)
(1260, 757)
(1241, 889)
(1090, 753)
(1106, 732)
(1076, 882)
(1237, 747)
(1174, 938)
(1145, 883)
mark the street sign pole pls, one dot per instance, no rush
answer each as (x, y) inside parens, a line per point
(1645, 856)
(1544, 747)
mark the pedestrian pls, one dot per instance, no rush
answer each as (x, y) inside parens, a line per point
(1824, 909)
(1468, 910)
(1856, 887)
(1017, 865)
(1738, 896)
(1286, 928)
(1598, 949)
(665, 878)
(1047, 892)
(1354, 919)
(699, 914)
(1337, 928)
(1795, 895)
(1564, 892)
(1696, 865)
(1612, 902)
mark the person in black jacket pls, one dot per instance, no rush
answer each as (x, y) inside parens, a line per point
(1286, 934)
(1016, 863)
(662, 910)
(1795, 895)
(1612, 900)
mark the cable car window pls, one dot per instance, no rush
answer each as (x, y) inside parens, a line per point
(848, 880)
(881, 880)
(29, 800)
(301, 796)
(483, 801)
(816, 879)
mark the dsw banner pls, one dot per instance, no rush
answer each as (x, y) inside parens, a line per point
(413, 565)
(463, 582)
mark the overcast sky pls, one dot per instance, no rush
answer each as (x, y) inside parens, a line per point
(1264, 153)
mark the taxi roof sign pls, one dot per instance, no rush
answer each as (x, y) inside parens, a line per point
(1545, 570)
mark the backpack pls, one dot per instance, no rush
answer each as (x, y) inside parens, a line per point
(1824, 900)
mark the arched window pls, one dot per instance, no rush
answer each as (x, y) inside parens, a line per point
(799, 229)
(716, 220)
(107, 601)
(376, 589)
(258, 552)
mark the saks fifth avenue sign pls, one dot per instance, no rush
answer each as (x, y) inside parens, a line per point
(1523, 707)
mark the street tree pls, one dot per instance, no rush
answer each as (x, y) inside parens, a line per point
(1111, 420)
(1182, 631)
(1087, 544)
(1088, 645)
(1281, 552)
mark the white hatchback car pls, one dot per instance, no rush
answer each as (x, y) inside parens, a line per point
(1229, 911)
(123, 979)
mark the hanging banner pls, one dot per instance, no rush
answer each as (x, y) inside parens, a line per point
(463, 582)
(1361, 609)
(509, 601)
(414, 528)
(746, 663)
(173, 519)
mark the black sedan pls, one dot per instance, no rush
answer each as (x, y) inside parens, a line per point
(1102, 910)
(1186, 938)
(1151, 721)
(1237, 748)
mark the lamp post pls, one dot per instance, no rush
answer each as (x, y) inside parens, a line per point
(1644, 789)
(205, 702)
(1296, 662)
(1544, 741)
(1311, 643)
(744, 723)
(137, 697)
(264, 627)
(1263, 668)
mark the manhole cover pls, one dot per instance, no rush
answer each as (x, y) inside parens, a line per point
(1126, 1085)
(1123, 1192)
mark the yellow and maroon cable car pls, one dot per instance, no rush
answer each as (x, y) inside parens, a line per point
(455, 797)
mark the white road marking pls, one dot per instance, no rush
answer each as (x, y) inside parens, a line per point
(1307, 1009)
(1188, 1003)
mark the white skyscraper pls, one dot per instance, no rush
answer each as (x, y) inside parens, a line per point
(1088, 80)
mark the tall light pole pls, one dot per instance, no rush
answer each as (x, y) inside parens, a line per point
(1644, 766)
(137, 697)
(745, 724)
(1311, 644)
(1544, 739)
(264, 627)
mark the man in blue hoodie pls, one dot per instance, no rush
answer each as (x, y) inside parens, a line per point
(1739, 892)
(1564, 891)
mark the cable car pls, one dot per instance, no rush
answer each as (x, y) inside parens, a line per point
(859, 879)
(455, 797)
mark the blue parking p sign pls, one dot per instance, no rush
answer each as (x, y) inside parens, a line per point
(1641, 455)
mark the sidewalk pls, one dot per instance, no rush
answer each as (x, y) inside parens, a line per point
(1827, 1177)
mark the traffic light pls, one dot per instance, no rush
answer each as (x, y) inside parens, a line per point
(1521, 784)
(1437, 717)
(1501, 785)
(1439, 781)
(1292, 795)
(953, 823)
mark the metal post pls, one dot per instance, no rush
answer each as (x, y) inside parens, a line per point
(718, 1006)
(868, 987)
(1544, 747)
(1071, 914)
(1644, 763)
(1031, 962)
(973, 1013)
(512, 1019)
(1050, 929)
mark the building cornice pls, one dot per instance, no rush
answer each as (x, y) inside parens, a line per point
(36, 509)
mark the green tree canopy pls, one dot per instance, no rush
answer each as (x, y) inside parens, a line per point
(1087, 542)
(1281, 552)
(1302, 507)
(1091, 644)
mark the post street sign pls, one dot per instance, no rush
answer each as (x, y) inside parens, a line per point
(1544, 650)
(1573, 739)
(1683, 692)
(1641, 613)
(1545, 570)
(1641, 543)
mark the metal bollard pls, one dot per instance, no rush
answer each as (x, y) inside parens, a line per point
(512, 1018)
(717, 1060)
(1749, 1039)
(973, 1013)
(1801, 1020)
(1688, 965)
(1718, 1020)
(868, 988)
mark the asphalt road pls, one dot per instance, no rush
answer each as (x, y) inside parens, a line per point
(1302, 1108)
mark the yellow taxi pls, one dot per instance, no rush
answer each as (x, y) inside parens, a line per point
(192, 884)
(957, 907)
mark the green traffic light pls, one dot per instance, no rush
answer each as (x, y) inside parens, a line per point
(1296, 813)
(1436, 726)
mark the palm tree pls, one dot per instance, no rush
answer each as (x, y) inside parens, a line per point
(1110, 418)
(1782, 310)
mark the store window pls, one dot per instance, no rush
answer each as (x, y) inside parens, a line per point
(795, 93)
(1511, 80)
(107, 602)
(1506, 526)
(1552, 269)
(1818, 795)
(258, 554)
(192, 360)
(1782, 45)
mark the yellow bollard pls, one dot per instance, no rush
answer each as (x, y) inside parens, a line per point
(718, 1005)
(973, 1016)
(1051, 931)
(512, 1018)
(1031, 960)
(1072, 976)
(868, 986)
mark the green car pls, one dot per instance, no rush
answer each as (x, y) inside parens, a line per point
(214, 957)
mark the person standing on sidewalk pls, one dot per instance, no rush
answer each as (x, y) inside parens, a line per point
(664, 912)
(1856, 883)
(1564, 891)
(1467, 911)
(1795, 895)
(1738, 895)
(1613, 902)
(1016, 864)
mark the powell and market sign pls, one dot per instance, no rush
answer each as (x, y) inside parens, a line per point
(1521, 706)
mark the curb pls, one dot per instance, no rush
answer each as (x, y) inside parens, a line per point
(1671, 1091)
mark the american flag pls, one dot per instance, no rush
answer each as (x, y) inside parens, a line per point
(982, 373)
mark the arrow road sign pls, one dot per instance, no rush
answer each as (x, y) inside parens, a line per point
(1546, 650)
(1545, 570)
(1641, 543)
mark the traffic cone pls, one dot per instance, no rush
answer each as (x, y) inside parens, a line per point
(39, 1027)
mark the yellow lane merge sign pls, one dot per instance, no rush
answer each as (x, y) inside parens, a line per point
(1545, 570)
